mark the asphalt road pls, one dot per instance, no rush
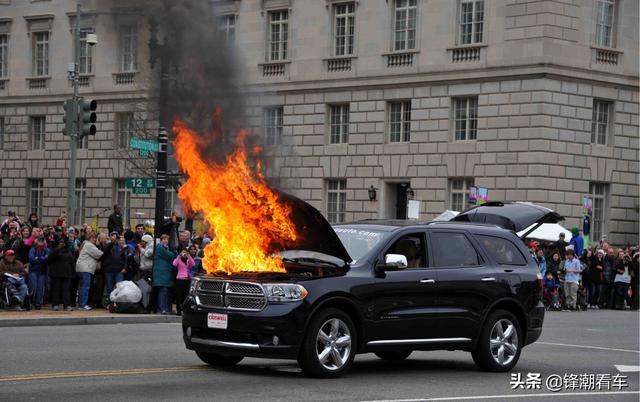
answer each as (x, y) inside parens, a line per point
(149, 362)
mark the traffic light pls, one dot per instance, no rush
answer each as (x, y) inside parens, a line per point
(86, 109)
(70, 116)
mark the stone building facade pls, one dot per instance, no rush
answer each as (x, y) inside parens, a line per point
(535, 100)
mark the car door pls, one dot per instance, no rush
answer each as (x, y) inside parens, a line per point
(404, 301)
(467, 282)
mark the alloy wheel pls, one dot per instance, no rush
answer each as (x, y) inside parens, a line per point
(503, 341)
(333, 344)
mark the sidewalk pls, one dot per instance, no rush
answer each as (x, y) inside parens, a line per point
(46, 316)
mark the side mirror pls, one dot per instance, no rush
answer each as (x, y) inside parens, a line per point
(396, 260)
(392, 262)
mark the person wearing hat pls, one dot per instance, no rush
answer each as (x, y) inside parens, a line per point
(596, 277)
(61, 270)
(145, 248)
(38, 256)
(16, 275)
(577, 241)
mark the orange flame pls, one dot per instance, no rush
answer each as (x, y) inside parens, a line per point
(236, 201)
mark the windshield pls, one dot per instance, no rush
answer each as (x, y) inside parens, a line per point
(359, 242)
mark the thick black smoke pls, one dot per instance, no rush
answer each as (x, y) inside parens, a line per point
(199, 68)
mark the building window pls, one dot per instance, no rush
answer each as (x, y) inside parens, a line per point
(38, 127)
(604, 22)
(404, 24)
(344, 15)
(599, 192)
(36, 195)
(2, 132)
(81, 202)
(471, 21)
(40, 54)
(273, 125)
(278, 35)
(459, 193)
(336, 200)
(123, 199)
(128, 48)
(465, 116)
(339, 124)
(601, 121)
(399, 121)
(228, 27)
(126, 127)
(4, 56)
(86, 52)
(169, 201)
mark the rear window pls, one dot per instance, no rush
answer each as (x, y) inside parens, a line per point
(503, 251)
(453, 250)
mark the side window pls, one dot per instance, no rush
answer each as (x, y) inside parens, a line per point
(412, 247)
(502, 250)
(453, 250)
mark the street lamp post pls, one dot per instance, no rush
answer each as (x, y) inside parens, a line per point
(75, 132)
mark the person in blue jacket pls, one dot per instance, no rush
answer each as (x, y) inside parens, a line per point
(576, 241)
(38, 256)
(164, 274)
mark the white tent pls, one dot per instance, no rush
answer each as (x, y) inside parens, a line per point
(547, 231)
(446, 215)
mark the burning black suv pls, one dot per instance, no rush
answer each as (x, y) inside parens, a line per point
(387, 287)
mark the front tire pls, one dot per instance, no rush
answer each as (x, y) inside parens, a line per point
(216, 360)
(500, 343)
(394, 355)
(329, 346)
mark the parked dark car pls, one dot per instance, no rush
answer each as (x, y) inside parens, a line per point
(387, 287)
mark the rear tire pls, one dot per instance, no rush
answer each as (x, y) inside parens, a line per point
(329, 346)
(500, 343)
(394, 355)
(216, 360)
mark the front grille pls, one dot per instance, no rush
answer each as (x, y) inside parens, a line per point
(244, 288)
(230, 295)
(207, 300)
(245, 303)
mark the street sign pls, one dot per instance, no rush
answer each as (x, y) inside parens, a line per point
(140, 185)
(144, 145)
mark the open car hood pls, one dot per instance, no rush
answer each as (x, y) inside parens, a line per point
(314, 232)
(515, 216)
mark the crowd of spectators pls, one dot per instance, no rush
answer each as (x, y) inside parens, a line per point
(77, 268)
(579, 277)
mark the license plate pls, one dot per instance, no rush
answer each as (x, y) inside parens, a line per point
(217, 321)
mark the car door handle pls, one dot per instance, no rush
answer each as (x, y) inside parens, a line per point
(427, 281)
(488, 279)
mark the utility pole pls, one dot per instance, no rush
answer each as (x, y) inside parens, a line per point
(75, 133)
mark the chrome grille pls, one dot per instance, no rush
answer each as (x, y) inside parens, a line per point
(231, 295)
(244, 288)
(208, 300)
(211, 286)
(245, 303)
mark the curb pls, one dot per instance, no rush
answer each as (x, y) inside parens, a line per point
(115, 319)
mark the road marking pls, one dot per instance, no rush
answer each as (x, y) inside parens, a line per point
(477, 397)
(627, 369)
(587, 347)
(80, 374)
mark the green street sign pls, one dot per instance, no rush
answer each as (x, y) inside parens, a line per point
(140, 185)
(143, 145)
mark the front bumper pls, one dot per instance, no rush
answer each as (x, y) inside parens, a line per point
(274, 332)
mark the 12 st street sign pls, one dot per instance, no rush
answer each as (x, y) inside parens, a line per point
(140, 185)
(144, 147)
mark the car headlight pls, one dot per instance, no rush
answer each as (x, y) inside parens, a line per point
(284, 292)
(194, 286)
